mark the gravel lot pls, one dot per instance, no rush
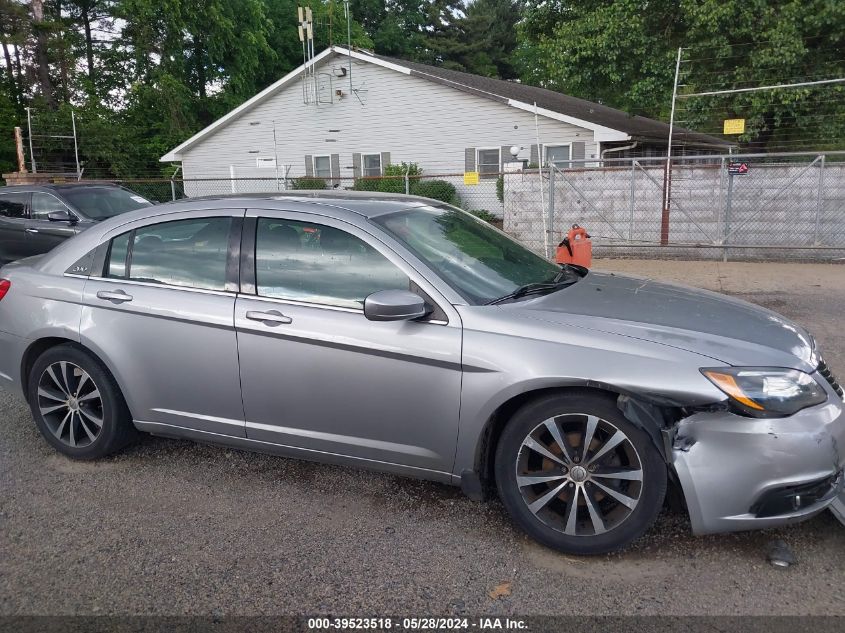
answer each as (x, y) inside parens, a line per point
(172, 527)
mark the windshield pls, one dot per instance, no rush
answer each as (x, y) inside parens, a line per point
(478, 261)
(99, 203)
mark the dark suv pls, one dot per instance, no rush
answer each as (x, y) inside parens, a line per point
(34, 219)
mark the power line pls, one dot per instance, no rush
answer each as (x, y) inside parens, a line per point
(752, 43)
(775, 87)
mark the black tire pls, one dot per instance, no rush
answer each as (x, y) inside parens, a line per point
(117, 429)
(549, 526)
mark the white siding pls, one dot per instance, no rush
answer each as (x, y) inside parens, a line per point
(414, 119)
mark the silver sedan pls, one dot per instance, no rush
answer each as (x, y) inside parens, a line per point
(405, 335)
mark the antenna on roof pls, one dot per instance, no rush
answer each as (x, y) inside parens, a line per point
(305, 28)
(349, 40)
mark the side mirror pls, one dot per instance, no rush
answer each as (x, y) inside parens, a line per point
(394, 305)
(61, 216)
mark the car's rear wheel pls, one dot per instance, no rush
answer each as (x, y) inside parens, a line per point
(77, 405)
(576, 475)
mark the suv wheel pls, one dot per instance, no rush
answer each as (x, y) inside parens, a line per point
(77, 405)
(576, 475)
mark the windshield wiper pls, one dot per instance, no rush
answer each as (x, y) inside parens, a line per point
(532, 289)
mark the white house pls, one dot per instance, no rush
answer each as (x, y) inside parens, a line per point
(349, 113)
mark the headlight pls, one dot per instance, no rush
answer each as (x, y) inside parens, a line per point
(767, 391)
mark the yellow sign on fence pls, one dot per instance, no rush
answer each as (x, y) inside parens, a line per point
(471, 178)
(734, 126)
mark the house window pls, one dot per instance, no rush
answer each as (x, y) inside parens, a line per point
(323, 166)
(371, 164)
(488, 162)
(558, 155)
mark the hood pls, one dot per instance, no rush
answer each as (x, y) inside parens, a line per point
(725, 329)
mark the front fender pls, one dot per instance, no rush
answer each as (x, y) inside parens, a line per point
(499, 367)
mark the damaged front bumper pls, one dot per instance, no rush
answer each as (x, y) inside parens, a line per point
(740, 473)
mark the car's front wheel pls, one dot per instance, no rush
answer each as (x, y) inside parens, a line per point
(576, 475)
(77, 404)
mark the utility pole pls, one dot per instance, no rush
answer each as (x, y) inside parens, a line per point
(667, 176)
(75, 146)
(29, 131)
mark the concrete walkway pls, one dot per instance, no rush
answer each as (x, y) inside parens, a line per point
(736, 277)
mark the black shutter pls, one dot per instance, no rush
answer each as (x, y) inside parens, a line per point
(469, 159)
(336, 169)
(504, 156)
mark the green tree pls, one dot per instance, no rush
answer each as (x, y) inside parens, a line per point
(622, 53)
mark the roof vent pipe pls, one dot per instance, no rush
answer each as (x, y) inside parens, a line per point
(618, 149)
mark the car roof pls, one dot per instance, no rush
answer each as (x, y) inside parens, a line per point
(333, 203)
(59, 186)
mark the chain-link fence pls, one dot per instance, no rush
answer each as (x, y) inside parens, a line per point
(786, 206)
(483, 199)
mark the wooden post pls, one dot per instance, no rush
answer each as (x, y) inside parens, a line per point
(19, 148)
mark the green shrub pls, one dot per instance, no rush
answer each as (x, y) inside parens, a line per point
(308, 182)
(437, 189)
(412, 169)
(484, 214)
(500, 188)
(367, 184)
(392, 180)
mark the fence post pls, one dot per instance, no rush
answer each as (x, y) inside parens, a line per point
(172, 189)
(816, 241)
(633, 193)
(407, 180)
(728, 217)
(551, 228)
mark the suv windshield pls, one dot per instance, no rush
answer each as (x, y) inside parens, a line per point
(99, 203)
(481, 263)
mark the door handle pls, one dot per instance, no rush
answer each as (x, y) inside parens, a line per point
(31, 230)
(117, 296)
(271, 317)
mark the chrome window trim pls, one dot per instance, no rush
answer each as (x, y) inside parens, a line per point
(321, 306)
(365, 234)
(304, 304)
(148, 284)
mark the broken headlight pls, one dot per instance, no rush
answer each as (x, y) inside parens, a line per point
(767, 391)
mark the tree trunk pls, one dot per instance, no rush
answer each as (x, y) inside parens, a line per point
(13, 85)
(761, 141)
(89, 45)
(42, 65)
(200, 66)
(18, 70)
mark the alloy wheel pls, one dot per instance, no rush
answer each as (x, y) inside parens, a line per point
(579, 474)
(71, 404)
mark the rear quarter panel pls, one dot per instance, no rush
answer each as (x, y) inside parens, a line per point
(37, 306)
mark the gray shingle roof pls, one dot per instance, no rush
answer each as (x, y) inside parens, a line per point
(639, 128)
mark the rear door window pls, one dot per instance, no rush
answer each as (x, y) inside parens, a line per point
(13, 205)
(190, 253)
